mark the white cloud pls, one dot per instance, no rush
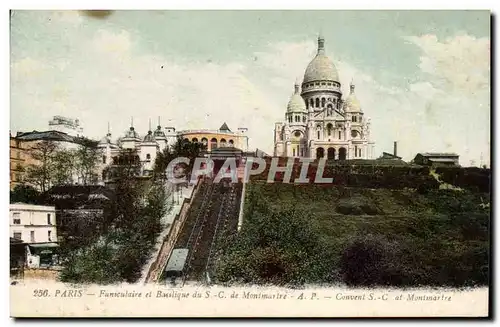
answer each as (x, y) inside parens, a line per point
(459, 65)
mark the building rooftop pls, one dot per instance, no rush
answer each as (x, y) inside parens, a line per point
(438, 154)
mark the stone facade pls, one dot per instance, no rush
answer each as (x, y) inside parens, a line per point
(319, 122)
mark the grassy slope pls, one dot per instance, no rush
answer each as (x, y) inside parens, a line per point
(441, 237)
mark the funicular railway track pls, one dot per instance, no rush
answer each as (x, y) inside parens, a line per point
(214, 213)
(226, 225)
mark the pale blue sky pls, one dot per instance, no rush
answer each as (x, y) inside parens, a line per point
(421, 76)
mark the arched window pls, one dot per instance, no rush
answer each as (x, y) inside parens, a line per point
(355, 150)
(148, 156)
(317, 102)
(231, 143)
(340, 135)
(318, 135)
(204, 141)
(303, 119)
(195, 140)
(289, 119)
(323, 102)
(222, 143)
(312, 103)
(213, 143)
(307, 105)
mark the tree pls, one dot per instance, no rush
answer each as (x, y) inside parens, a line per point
(181, 148)
(24, 194)
(41, 174)
(87, 158)
(64, 163)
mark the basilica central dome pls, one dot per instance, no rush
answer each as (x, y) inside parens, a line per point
(321, 68)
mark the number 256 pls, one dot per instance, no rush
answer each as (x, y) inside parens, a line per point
(40, 293)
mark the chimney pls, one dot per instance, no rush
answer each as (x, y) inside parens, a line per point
(395, 148)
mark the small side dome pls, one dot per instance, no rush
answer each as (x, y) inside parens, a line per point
(296, 103)
(105, 140)
(158, 133)
(131, 133)
(149, 137)
(352, 103)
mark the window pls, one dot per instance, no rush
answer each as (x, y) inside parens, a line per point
(49, 235)
(303, 119)
(297, 134)
(360, 118)
(355, 150)
(360, 152)
(323, 101)
(318, 135)
(48, 219)
(340, 135)
(104, 159)
(329, 129)
(312, 103)
(148, 156)
(16, 218)
(32, 236)
(18, 235)
(317, 102)
(294, 152)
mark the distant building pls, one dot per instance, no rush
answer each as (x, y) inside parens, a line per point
(144, 149)
(221, 138)
(19, 160)
(436, 159)
(33, 223)
(386, 155)
(35, 226)
(320, 121)
(81, 210)
(66, 125)
(394, 155)
(66, 132)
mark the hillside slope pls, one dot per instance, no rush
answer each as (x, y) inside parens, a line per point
(295, 234)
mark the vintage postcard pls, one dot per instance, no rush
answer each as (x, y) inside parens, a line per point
(170, 163)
